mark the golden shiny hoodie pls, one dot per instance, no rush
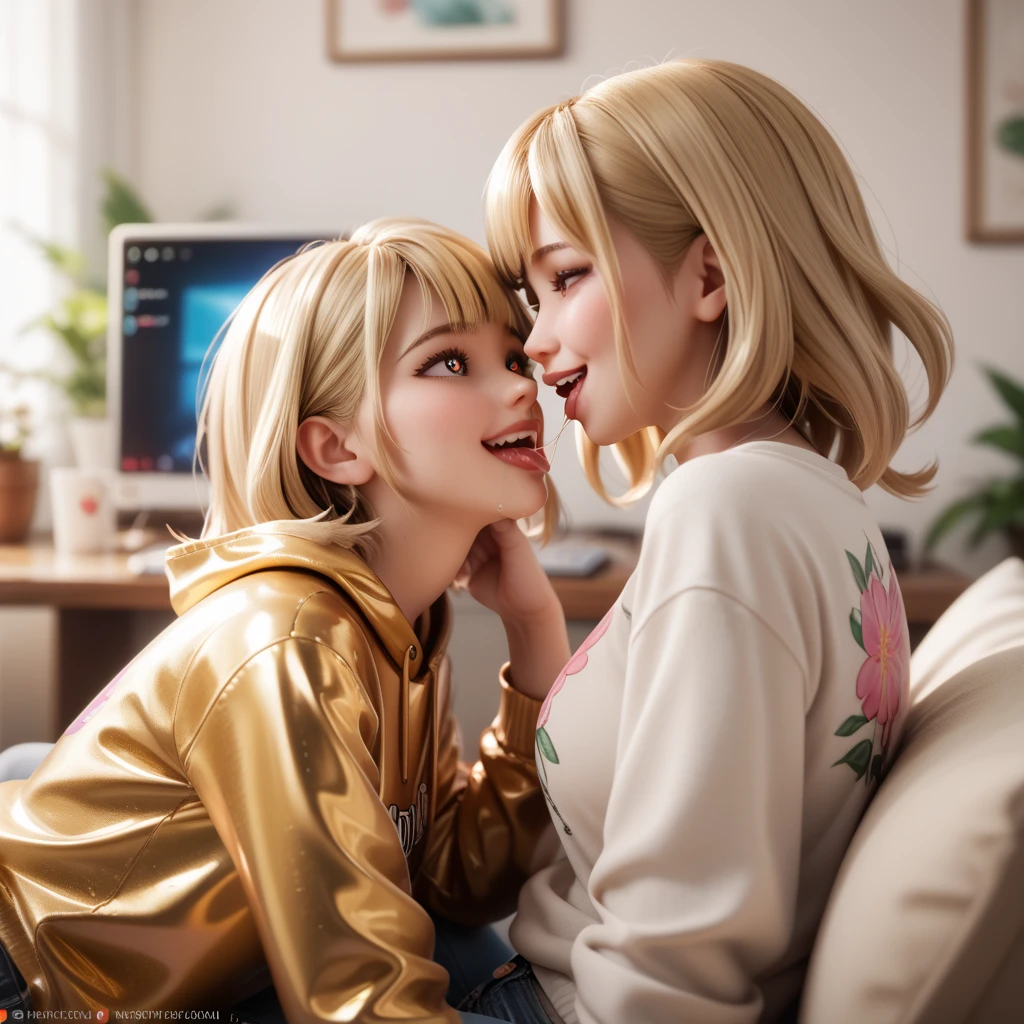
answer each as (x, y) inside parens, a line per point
(274, 781)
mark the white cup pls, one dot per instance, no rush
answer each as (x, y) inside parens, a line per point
(84, 515)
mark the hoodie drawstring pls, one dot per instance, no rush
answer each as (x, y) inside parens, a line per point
(404, 712)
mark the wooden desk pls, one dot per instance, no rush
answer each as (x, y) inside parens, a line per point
(92, 593)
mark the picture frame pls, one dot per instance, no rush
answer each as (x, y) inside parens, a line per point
(364, 31)
(995, 121)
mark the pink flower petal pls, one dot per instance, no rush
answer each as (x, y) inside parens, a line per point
(873, 612)
(576, 664)
(869, 686)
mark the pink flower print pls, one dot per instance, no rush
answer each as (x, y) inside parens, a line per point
(881, 677)
(577, 663)
(96, 704)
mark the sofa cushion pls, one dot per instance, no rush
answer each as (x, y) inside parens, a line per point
(925, 923)
(987, 617)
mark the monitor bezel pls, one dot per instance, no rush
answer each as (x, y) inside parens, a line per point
(163, 491)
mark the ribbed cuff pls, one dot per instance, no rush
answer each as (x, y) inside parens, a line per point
(516, 724)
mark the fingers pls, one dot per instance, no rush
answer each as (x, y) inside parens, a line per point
(506, 534)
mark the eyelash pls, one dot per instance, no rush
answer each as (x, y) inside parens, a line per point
(440, 357)
(463, 357)
(562, 276)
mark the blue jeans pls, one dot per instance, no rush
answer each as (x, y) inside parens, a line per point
(469, 955)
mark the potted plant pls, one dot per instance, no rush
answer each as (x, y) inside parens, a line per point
(19, 477)
(79, 322)
(998, 505)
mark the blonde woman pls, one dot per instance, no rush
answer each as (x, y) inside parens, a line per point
(708, 285)
(275, 782)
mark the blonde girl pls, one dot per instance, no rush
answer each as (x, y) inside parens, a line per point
(272, 790)
(708, 285)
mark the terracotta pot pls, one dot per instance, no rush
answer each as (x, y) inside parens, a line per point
(19, 484)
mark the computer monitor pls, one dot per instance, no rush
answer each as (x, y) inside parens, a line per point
(171, 287)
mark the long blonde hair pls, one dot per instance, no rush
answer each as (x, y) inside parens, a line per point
(695, 147)
(308, 341)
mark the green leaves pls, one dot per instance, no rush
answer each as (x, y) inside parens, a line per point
(862, 573)
(999, 504)
(856, 628)
(1004, 439)
(547, 748)
(1010, 135)
(1010, 391)
(858, 758)
(869, 563)
(858, 573)
(122, 204)
(950, 517)
(851, 725)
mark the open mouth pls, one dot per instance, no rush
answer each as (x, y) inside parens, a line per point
(567, 384)
(518, 448)
(520, 439)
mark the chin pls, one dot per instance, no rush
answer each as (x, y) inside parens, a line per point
(529, 501)
(601, 434)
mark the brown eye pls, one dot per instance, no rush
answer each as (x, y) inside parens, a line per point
(518, 363)
(455, 364)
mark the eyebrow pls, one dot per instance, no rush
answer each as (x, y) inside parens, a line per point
(545, 249)
(454, 329)
(427, 335)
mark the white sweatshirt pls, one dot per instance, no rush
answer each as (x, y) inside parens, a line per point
(710, 748)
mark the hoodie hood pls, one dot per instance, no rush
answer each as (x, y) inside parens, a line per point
(197, 568)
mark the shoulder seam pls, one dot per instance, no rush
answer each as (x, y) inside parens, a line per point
(238, 670)
(732, 600)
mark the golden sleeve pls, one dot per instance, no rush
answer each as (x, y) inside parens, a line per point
(281, 764)
(487, 836)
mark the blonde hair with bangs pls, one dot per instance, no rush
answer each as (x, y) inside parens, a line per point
(308, 341)
(695, 147)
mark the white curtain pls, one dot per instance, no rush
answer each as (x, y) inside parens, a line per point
(65, 110)
(39, 185)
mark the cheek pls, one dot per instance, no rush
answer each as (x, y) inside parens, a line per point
(654, 326)
(587, 323)
(432, 416)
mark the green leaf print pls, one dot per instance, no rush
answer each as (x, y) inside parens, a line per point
(547, 748)
(851, 725)
(858, 572)
(869, 564)
(856, 629)
(857, 758)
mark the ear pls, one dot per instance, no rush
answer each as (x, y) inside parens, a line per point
(702, 264)
(333, 452)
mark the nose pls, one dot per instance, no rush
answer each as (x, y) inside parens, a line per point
(541, 345)
(521, 390)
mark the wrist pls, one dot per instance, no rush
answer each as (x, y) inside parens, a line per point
(542, 616)
(538, 650)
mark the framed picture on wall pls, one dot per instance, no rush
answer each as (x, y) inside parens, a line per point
(995, 120)
(388, 30)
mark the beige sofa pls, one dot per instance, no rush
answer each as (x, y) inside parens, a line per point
(925, 923)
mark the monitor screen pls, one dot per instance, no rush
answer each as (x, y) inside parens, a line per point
(176, 293)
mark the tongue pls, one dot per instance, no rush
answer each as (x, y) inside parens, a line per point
(535, 457)
(524, 458)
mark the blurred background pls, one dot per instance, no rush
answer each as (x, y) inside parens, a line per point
(307, 116)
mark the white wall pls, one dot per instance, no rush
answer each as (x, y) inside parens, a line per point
(236, 100)
(213, 100)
